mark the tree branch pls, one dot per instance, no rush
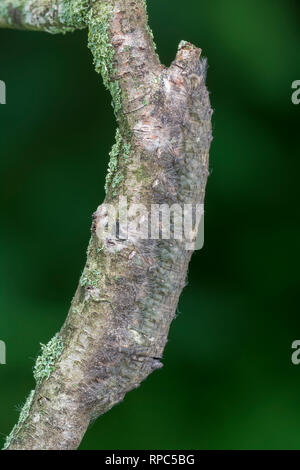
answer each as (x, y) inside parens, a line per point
(118, 323)
(52, 16)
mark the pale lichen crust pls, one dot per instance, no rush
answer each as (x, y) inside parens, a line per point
(22, 418)
(103, 51)
(74, 12)
(45, 363)
(119, 152)
(147, 26)
(53, 17)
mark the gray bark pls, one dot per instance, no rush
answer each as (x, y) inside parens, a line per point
(53, 16)
(118, 323)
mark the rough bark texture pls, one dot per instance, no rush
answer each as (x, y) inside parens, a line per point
(118, 323)
(53, 16)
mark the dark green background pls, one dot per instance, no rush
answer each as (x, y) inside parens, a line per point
(228, 380)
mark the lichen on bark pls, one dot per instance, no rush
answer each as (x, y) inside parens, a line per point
(22, 418)
(59, 16)
(119, 155)
(45, 363)
(102, 49)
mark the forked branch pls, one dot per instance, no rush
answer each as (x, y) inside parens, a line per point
(118, 323)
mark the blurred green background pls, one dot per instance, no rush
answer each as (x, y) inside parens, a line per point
(228, 381)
